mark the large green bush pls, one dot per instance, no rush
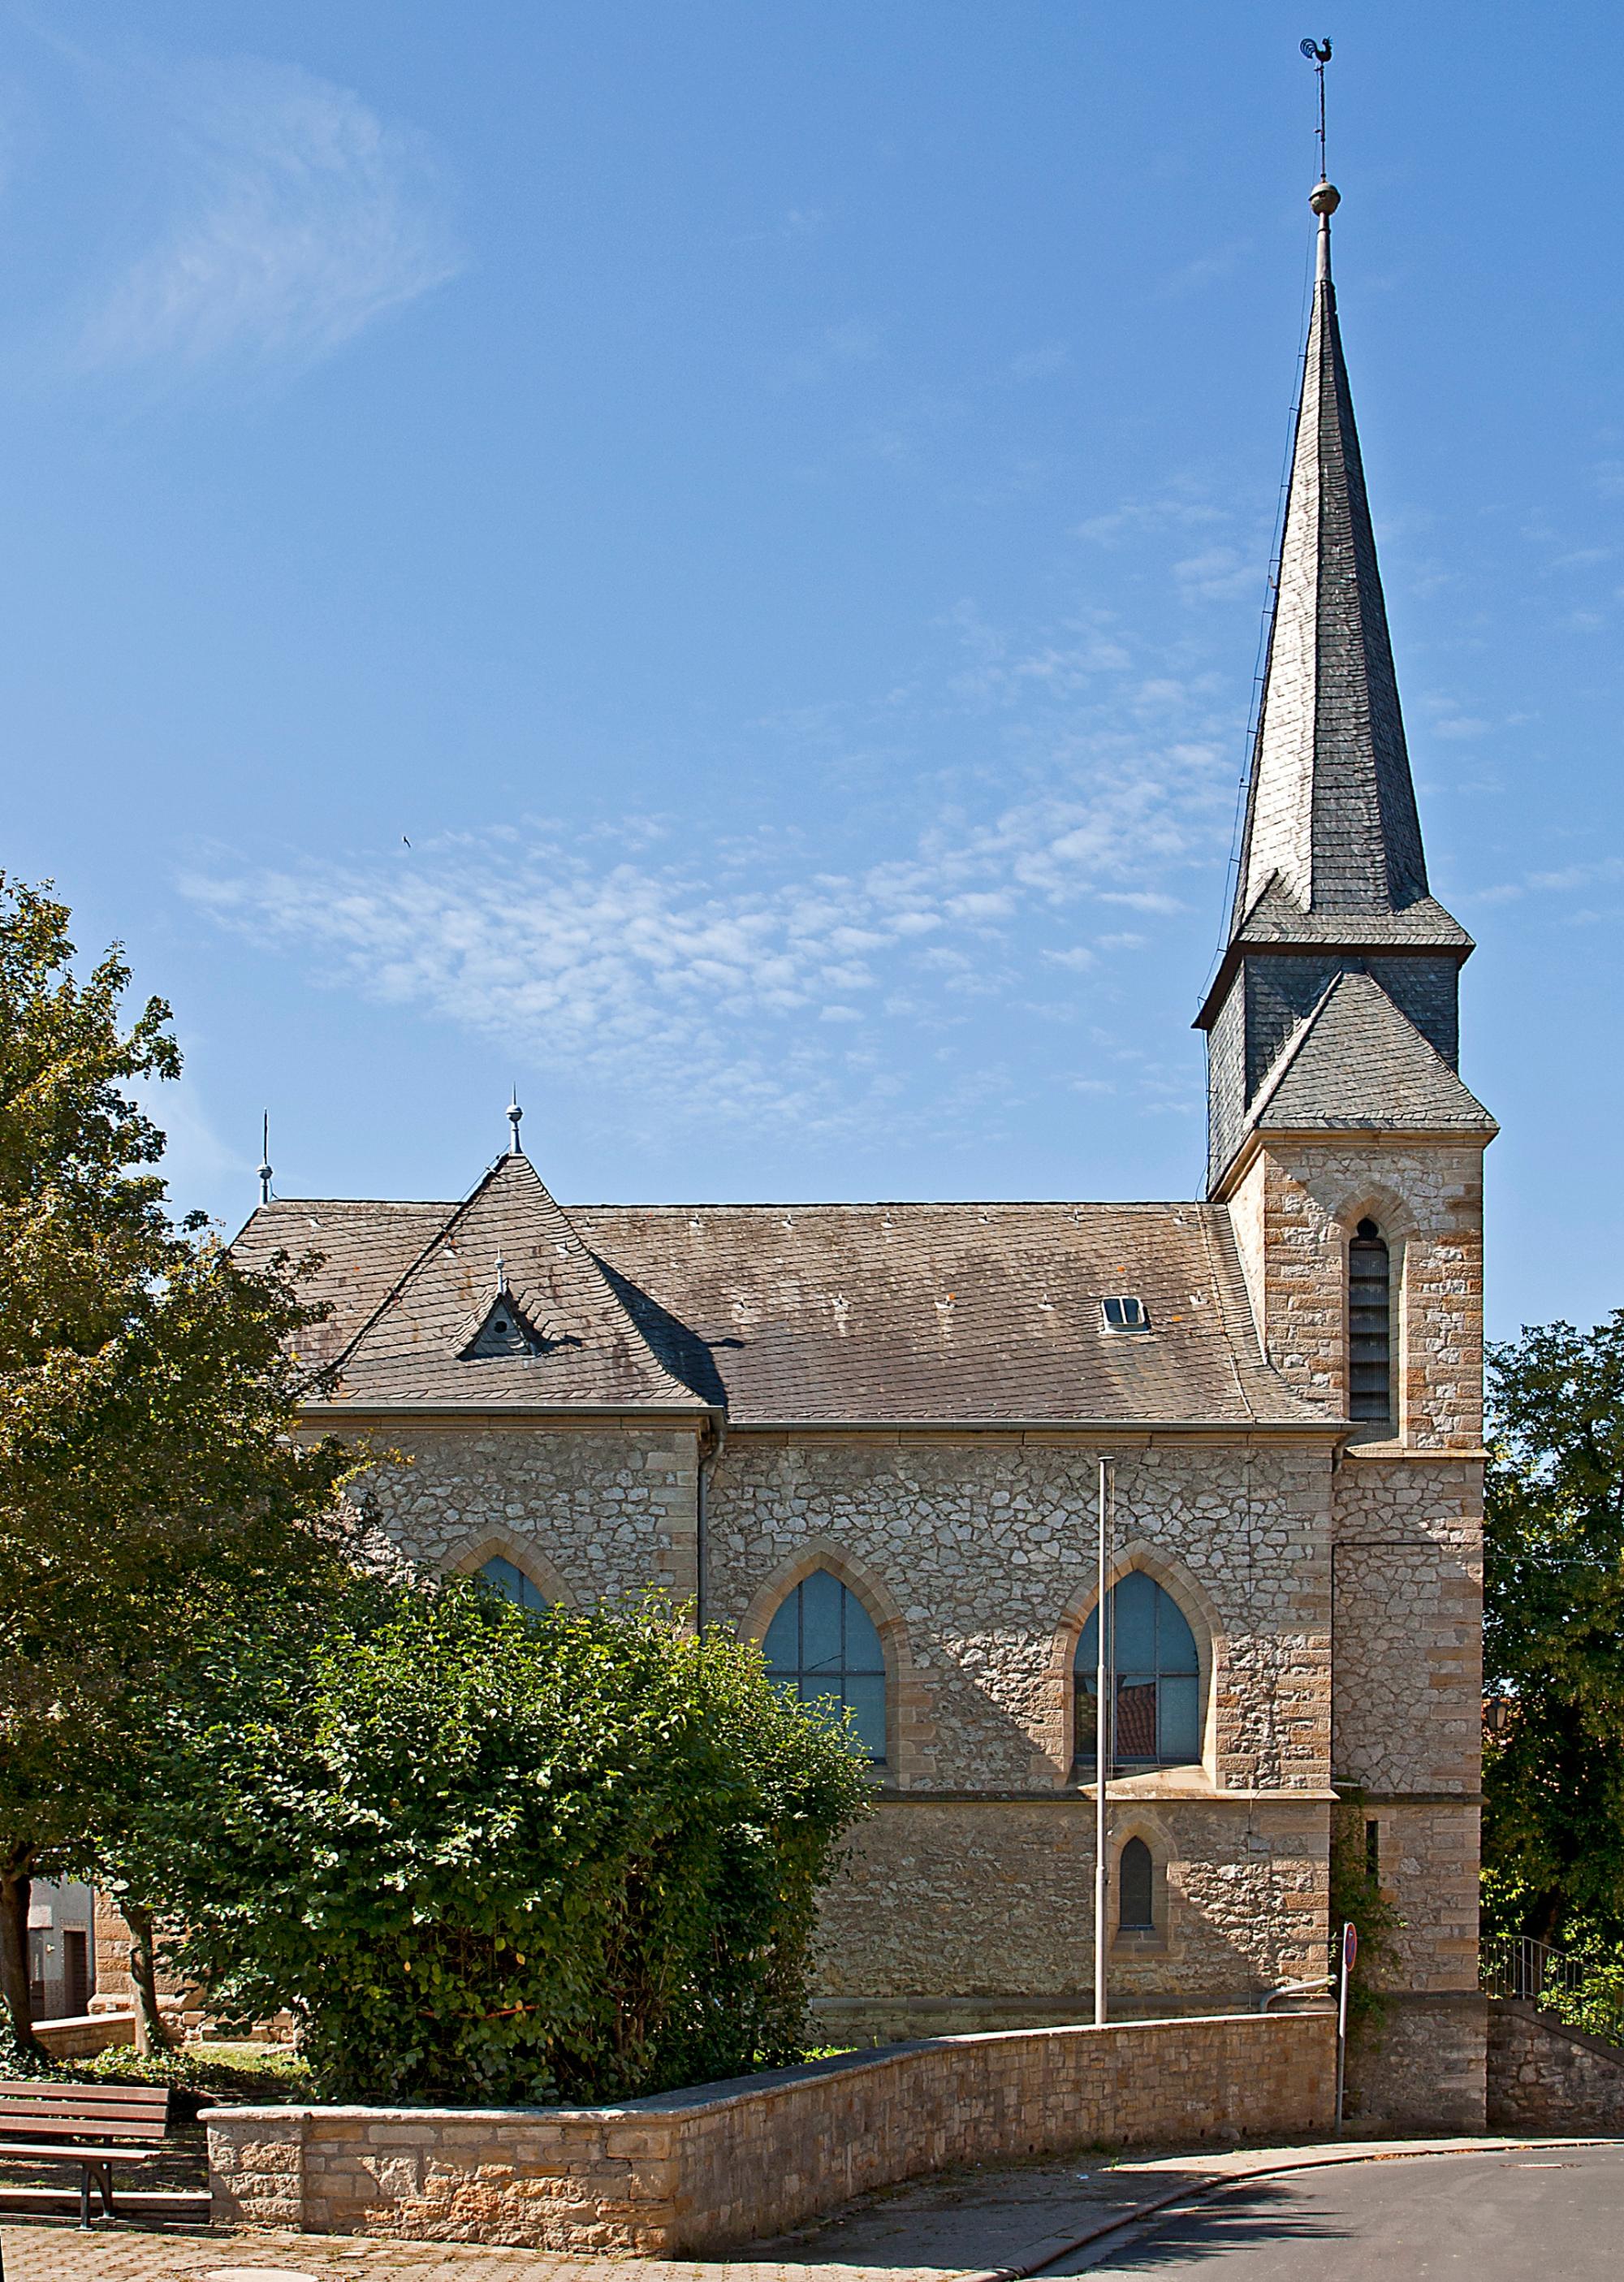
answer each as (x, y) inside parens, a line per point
(483, 1858)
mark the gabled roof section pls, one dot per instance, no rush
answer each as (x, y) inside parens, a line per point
(842, 1312)
(425, 1339)
(1332, 830)
(1356, 1064)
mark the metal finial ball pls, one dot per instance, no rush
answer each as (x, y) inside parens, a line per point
(1324, 198)
(265, 1173)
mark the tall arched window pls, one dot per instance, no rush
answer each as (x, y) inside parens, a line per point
(505, 1576)
(822, 1646)
(1136, 1898)
(1369, 1335)
(1152, 1655)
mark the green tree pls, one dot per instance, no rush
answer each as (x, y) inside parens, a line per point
(1554, 1632)
(480, 1856)
(150, 1487)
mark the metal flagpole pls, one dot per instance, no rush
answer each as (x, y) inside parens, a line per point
(1102, 1749)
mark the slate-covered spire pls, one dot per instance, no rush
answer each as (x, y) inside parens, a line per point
(1331, 809)
(1332, 880)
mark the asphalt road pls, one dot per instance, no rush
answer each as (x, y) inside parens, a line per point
(1549, 2214)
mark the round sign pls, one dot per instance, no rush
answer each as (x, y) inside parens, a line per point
(1350, 1947)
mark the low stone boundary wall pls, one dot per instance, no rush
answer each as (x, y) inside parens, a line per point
(698, 2170)
(81, 2036)
(1544, 2077)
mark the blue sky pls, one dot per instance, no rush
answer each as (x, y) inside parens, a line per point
(772, 503)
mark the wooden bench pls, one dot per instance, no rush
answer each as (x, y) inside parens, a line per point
(95, 2125)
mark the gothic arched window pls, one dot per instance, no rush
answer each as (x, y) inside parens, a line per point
(1152, 1655)
(508, 1578)
(823, 1647)
(1136, 1910)
(1369, 1335)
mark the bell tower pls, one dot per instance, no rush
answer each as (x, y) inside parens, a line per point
(1333, 1021)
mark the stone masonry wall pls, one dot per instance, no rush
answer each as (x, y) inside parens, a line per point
(590, 1513)
(977, 1555)
(964, 1914)
(1545, 2077)
(1425, 2068)
(1294, 1213)
(692, 2172)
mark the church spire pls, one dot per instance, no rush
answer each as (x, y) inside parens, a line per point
(1334, 939)
(1331, 810)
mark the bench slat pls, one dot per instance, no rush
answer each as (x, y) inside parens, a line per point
(61, 2127)
(83, 2111)
(27, 2150)
(33, 2093)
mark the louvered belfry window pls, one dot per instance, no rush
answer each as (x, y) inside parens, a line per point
(1369, 1332)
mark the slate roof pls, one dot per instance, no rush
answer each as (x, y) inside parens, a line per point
(1331, 821)
(798, 1313)
(401, 1337)
(1358, 1063)
(1422, 926)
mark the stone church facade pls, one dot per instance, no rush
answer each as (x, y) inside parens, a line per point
(870, 1436)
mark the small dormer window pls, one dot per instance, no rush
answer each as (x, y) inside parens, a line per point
(1124, 1312)
(504, 1334)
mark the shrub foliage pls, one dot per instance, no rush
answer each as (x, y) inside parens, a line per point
(484, 1858)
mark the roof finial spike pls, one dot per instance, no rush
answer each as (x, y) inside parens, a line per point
(265, 1163)
(501, 1273)
(1324, 198)
(514, 1114)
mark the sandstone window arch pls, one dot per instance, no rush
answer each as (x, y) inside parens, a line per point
(548, 1586)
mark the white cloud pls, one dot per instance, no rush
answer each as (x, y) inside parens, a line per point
(639, 972)
(302, 218)
(1219, 574)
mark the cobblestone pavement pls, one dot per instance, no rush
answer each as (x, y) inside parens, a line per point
(957, 2224)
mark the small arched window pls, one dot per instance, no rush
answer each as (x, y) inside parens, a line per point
(1136, 1898)
(1156, 1700)
(1369, 1334)
(823, 1647)
(508, 1578)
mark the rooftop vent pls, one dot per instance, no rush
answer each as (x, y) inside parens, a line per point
(1125, 1313)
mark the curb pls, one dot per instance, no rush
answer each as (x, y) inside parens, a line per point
(1050, 2248)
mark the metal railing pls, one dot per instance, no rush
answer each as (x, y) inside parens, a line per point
(1511, 1964)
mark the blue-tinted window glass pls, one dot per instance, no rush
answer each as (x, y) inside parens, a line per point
(1133, 1617)
(1155, 1675)
(822, 1645)
(506, 1577)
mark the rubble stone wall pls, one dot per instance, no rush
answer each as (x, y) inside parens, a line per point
(692, 2172)
(1543, 2077)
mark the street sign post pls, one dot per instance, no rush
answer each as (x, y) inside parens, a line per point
(1350, 1950)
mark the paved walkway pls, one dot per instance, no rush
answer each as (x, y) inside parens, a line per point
(968, 2226)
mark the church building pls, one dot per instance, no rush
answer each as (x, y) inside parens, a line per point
(870, 1436)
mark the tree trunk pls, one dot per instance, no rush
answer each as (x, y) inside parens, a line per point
(151, 2035)
(14, 1883)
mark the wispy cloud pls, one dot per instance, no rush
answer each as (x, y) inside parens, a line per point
(302, 218)
(791, 976)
